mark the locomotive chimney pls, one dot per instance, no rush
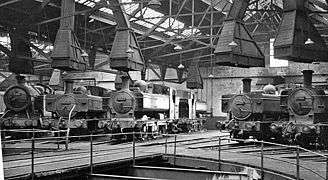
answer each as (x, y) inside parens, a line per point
(307, 78)
(20, 79)
(125, 82)
(68, 86)
(247, 85)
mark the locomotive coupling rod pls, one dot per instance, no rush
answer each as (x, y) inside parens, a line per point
(262, 160)
(91, 153)
(297, 163)
(133, 149)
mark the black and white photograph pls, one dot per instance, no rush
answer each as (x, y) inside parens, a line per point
(164, 89)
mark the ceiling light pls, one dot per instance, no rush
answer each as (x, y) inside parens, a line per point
(154, 4)
(308, 41)
(181, 66)
(232, 44)
(84, 54)
(129, 50)
(211, 76)
(177, 48)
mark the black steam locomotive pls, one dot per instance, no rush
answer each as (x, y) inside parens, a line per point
(80, 109)
(298, 115)
(307, 108)
(153, 108)
(252, 113)
(25, 107)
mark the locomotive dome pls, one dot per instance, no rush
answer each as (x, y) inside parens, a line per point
(269, 89)
(141, 84)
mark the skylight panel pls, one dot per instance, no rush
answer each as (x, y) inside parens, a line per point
(106, 10)
(90, 4)
(189, 32)
(170, 33)
(129, 8)
(145, 24)
(80, 1)
(159, 29)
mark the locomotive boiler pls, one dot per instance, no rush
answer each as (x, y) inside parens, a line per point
(252, 113)
(25, 106)
(307, 108)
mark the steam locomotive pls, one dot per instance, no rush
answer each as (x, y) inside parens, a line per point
(252, 113)
(142, 107)
(25, 106)
(298, 115)
(80, 109)
(307, 108)
(153, 108)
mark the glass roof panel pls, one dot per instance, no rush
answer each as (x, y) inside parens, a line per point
(129, 8)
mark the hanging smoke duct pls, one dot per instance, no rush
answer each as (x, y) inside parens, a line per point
(297, 39)
(307, 78)
(194, 78)
(247, 85)
(20, 60)
(67, 53)
(236, 46)
(125, 53)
